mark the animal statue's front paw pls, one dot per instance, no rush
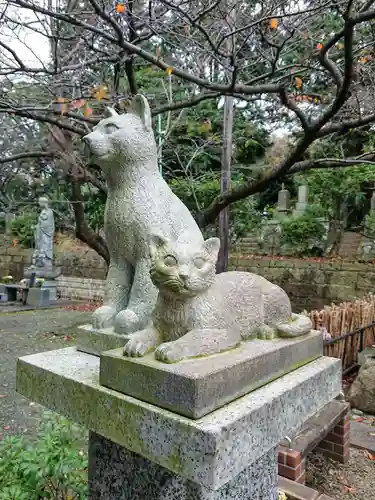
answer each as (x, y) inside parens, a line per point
(103, 317)
(126, 322)
(135, 348)
(171, 352)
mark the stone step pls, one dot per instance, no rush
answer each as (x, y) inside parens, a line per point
(295, 491)
(362, 436)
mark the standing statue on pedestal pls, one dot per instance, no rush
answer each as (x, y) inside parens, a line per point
(43, 236)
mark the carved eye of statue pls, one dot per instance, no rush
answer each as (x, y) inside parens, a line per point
(199, 262)
(170, 261)
(110, 128)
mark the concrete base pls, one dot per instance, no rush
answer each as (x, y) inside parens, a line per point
(197, 387)
(38, 297)
(368, 352)
(92, 341)
(3, 293)
(210, 452)
(116, 473)
(51, 286)
(42, 272)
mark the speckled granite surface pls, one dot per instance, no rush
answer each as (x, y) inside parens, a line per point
(119, 474)
(211, 451)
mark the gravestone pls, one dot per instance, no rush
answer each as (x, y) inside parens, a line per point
(302, 201)
(372, 202)
(9, 218)
(283, 203)
(367, 246)
(195, 405)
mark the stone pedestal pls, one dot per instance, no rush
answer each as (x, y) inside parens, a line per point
(139, 450)
(3, 293)
(38, 297)
(49, 276)
(51, 287)
(117, 473)
(199, 386)
(93, 341)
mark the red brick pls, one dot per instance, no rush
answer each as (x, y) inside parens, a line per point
(293, 458)
(325, 445)
(343, 450)
(301, 479)
(281, 457)
(341, 430)
(338, 457)
(334, 438)
(290, 472)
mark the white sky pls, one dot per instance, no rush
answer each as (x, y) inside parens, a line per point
(30, 47)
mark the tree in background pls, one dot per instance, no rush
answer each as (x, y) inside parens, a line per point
(303, 68)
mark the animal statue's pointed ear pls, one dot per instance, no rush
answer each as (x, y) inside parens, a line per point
(108, 112)
(141, 108)
(157, 242)
(212, 247)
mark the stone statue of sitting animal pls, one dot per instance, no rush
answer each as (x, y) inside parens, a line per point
(199, 312)
(138, 201)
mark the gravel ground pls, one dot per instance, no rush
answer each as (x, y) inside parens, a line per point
(28, 333)
(353, 481)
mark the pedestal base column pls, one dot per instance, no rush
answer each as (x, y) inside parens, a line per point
(116, 473)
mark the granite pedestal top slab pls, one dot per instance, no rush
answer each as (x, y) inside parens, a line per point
(197, 387)
(209, 451)
(95, 341)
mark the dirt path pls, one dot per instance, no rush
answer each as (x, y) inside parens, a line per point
(28, 333)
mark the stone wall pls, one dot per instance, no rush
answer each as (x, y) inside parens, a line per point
(312, 284)
(80, 288)
(83, 263)
(309, 284)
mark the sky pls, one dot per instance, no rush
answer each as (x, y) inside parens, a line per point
(31, 47)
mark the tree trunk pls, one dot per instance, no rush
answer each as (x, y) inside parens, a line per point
(83, 231)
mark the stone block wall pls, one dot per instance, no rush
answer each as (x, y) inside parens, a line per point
(13, 260)
(312, 284)
(85, 263)
(73, 288)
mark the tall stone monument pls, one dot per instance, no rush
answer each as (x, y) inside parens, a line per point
(42, 259)
(302, 201)
(195, 405)
(283, 203)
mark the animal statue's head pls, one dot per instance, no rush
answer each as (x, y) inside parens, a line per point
(181, 269)
(123, 139)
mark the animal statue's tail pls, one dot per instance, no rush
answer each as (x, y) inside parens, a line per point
(298, 325)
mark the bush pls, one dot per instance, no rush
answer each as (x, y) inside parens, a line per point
(303, 235)
(53, 467)
(22, 229)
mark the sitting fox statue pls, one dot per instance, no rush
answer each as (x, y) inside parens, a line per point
(199, 312)
(138, 201)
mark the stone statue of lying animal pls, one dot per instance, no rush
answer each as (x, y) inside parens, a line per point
(199, 312)
(138, 201)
